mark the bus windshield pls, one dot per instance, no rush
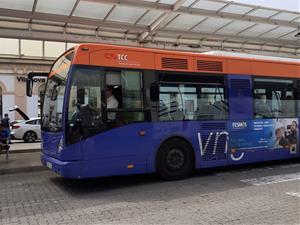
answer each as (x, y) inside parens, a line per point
(54, 94)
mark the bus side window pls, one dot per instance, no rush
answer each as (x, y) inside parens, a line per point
(125, 88)
(191, 102)
(85, 108)
(274, 98)
(298, 97)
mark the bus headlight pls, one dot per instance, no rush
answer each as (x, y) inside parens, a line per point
(60, 145)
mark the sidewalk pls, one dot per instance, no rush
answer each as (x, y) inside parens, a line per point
(21, 147)
(23, 157)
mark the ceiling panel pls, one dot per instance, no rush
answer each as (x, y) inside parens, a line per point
(258, 29)
(170, 2)
(150, 17)
(278, 32)
(211, 25)
(237, 9)
(126, 14)
(17, 4)
(185, 22)
(209, 5)
(263, 13)
(55, 6)
(92, 10)
(187, 3)
(285, 16)
(291, 37)
(235, 27)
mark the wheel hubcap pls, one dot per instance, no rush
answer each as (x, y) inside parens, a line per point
(30, 136)
(175, 159)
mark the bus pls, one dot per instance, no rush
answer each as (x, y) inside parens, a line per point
(115, 110)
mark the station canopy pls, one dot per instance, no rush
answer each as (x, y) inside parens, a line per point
(198, 25)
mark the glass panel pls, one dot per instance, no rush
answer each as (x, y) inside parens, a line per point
(278, 32)
(258, 29)
(70, 45)
(124, 92)
(125, 88)
(185, 22)
(17, 4)
(235, 27)
(85, 108)
(54, 49)
(92, 10)
(208, 5)
(32, 122)
(171, 2)
(264, 13)
(55, 6)
(31, 48)
(297, 95)
(150, 17)
(186, 102)
(212, 103)
(236, 9)
(9, 46)
(285, 16)
(131, 82)
(211, 24)
(54, 94)
(126, 14)
(274, 98)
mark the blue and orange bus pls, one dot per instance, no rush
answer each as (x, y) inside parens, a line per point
(114, 110)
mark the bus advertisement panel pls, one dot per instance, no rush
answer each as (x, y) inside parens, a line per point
(265, 134)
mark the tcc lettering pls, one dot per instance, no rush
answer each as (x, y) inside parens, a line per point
(122, 57)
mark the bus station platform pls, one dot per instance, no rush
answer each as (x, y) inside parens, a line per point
(23, 157)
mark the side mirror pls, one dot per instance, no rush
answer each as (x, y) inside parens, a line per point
(29, 86)
(154, 92)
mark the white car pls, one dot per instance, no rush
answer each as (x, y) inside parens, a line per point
(28, 130)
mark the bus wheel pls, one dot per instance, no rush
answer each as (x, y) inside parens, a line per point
(175, 160)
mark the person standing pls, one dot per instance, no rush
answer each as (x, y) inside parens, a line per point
(112, 103)
(6, 124)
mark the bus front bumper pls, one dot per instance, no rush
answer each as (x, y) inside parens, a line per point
(67, 169)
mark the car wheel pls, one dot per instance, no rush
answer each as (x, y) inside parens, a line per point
(175, 160)
(29, 137)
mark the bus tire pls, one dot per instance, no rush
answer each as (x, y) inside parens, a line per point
(175, 160)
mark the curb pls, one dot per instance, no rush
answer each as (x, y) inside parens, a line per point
(22, 170)
(24, 151)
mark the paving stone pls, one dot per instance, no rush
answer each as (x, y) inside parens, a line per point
(208, 197)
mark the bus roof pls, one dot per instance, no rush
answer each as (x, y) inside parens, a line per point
(165, 60)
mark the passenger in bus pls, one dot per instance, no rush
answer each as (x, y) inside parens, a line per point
(262, 109)
(163, 112)
(175, 112)
(288, 107)
(112, 102)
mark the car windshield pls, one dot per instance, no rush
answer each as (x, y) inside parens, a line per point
(54, 94)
